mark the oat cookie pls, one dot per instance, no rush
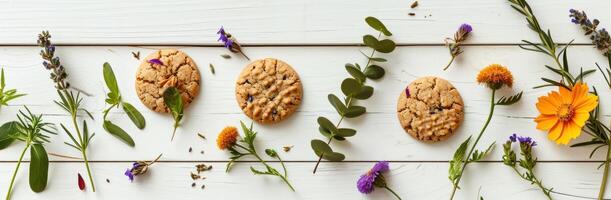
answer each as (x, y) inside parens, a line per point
(162, 69)
(268, 90)
(430, 109)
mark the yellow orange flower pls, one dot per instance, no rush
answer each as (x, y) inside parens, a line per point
(227, 138)
(495, 76)
(563, 113)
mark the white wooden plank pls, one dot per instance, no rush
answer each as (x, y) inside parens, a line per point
(321, 69)
(281, 22)
(338, 181)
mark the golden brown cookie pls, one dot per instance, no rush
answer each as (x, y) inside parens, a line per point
(162, 69)
(268, 90)
(430, 109)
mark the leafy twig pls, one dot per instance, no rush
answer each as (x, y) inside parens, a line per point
(8, 95)
(526, 162)
(354, 89)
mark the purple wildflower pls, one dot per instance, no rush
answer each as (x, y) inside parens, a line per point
(465, 28)
(513, 138)
(522, 140)
(155, 61)
(129, 173)
(224, 38)
(365, 183)
(454, 44)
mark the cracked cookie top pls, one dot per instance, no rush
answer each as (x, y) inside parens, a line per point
(162, 69)
(430, 109)
(268, 90)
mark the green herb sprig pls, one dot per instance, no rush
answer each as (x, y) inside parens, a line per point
(246, 147)
(70, 101)
(601, 134)
(8, 95)
(31, 130)
(173, 100)
(527, 161)
(114, 99)
(600, 38)
(353, 89)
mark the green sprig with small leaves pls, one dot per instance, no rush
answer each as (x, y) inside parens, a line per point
(173, 100)
(114, 99)
(8, 95)
(70, 101)
(601, 133)
(246, 147)
(354, 89)
(527, 161)
(30, 129)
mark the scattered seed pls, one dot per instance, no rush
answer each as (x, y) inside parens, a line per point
(195, 176)
(226, 56)
(108, 181)
(202, 152)
(193, 184)
(136, 55)
(190, 149)
(211, 68)
(415, 4)
(203, 186)
(287, 148)
(202, 167)
(412, 14)
(201, 136)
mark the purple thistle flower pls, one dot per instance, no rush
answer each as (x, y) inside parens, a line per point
(465, 28)
(155, 61)
(365, 182)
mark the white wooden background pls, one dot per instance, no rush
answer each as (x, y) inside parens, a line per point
(316, 37)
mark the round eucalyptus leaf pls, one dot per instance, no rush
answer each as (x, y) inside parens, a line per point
(370, 41)
(346, 132)
(334, 156)
(385, 46)
(356, 73)
(365, 93)
(327, 125)
(337, 104)
(374, 72)
(350, 86)
(376, 24)
(320, 147)
(355, 111)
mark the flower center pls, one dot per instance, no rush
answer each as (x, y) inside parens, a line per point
(565, 112)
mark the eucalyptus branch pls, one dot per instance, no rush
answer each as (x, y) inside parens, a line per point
(354, 89)
(246, 147)
(69, 101)
(31, 130)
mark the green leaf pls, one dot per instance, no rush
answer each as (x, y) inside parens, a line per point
(271, 153)
(355, 111)
(356, 73)
(334, 156)
(365, 93)
(377, 25)
(134, 115)
(477, 155)
(385, 46)
(370, 41)
(173, 100)
(39, 168)
(457, 160)
(7, 130)
(509, 100)
(327, 125)
(346, 132)
(337, 104)
(378, 59)
(118, 132)
(350, 86)
(374, 72)
(110, 79)
(320, 147)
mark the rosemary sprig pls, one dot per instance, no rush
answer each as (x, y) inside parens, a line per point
(246, 147)
(601, 134)
(354, 89)
(8, 95)
(31, 130)
(114, 99)
(70, 101)
(526, 162)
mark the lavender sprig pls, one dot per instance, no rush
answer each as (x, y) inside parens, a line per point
(58, 73)
(230, 42)
(600, 38)
(454, 44)
(527, 161)
(139, 168)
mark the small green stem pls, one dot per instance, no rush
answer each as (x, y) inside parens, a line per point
(254, 153)
(108, 110)
(88, 170)
(174, 131)
(545, 191)
(603, 184)
(10, 187)
(464, 165)
(393, 192)
(449, 63)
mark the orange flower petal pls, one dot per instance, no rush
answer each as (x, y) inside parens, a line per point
(588, 104)
(545, 122)
(555, 98)
(579, 92)
(570, 131)
(555, 132)
(566, 95)
(545, 106)
(580, 118)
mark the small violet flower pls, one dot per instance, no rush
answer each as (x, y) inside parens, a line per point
(230, 42)
(155, 61)
(454, 44)
(139, 168)
(374, 177)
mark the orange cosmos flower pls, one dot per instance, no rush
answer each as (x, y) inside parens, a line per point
(495, 76)
(227, 138)
(564, 113)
